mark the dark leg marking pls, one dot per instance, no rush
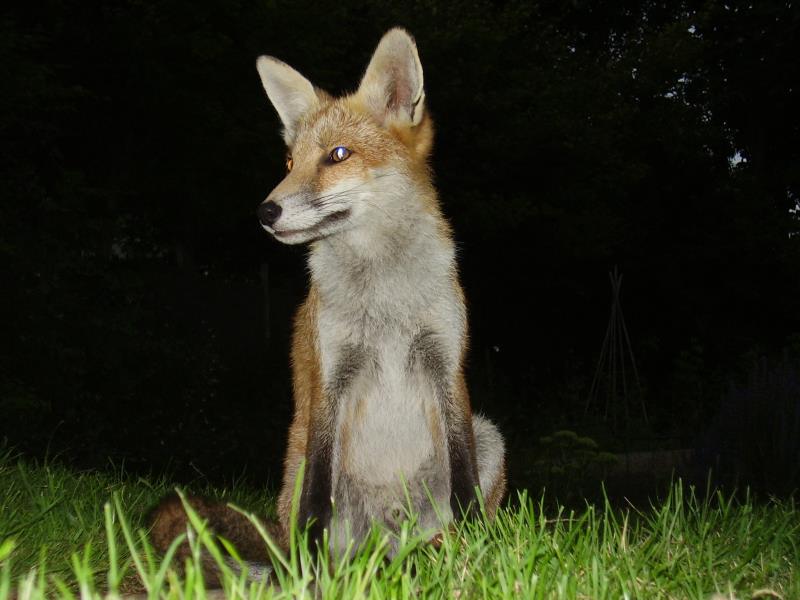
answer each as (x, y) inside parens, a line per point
(315, 501)
(426, 352)
(463, 474)
(351, 360)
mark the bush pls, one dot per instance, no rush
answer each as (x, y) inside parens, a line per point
(566, 462)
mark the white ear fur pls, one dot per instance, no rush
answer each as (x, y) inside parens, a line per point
(393, 86)
(291, 94)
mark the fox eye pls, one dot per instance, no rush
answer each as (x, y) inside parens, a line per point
(339, 154)
(289, 163)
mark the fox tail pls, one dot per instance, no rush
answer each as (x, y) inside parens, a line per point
(169, 519)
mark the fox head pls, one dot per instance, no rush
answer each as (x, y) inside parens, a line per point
(355, 164)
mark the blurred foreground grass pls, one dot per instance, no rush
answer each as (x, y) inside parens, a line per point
(66, 534)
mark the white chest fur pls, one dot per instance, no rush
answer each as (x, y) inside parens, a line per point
(378, 289)
(390, 430)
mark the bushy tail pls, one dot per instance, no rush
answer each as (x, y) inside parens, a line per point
(169, 519)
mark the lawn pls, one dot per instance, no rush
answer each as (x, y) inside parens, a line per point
(64, 533)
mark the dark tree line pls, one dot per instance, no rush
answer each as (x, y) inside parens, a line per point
(135, 144)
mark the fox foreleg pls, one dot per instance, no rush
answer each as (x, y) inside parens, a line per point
(463, 466)
(316, 498)
(451, 394)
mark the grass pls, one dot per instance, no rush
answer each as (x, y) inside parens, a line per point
(68, 534)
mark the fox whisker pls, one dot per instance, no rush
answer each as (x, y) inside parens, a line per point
(343, 193)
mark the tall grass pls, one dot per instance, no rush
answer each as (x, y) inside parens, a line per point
(80, 535)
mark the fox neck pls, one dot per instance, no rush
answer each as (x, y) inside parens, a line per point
(389, 267)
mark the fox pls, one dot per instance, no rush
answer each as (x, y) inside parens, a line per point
(382, 418)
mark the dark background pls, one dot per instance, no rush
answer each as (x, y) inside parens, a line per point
(146, 315)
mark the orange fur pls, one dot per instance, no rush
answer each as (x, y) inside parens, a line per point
(307, 386)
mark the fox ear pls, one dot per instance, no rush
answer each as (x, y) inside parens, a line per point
(392, 87)
(291, 94)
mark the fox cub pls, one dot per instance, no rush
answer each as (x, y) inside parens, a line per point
(381, 412)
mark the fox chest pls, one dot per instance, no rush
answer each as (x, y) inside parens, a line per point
(389, 442)
(389, 424)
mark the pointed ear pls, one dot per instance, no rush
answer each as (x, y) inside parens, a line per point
(392, 87)
(291, 94)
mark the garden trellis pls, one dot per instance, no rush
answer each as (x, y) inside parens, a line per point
(616, 388)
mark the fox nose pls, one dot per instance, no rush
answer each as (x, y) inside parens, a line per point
(268, 213)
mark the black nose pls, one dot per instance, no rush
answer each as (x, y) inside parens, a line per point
(268, 213)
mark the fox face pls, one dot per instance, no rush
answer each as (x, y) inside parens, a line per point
(352, 162)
